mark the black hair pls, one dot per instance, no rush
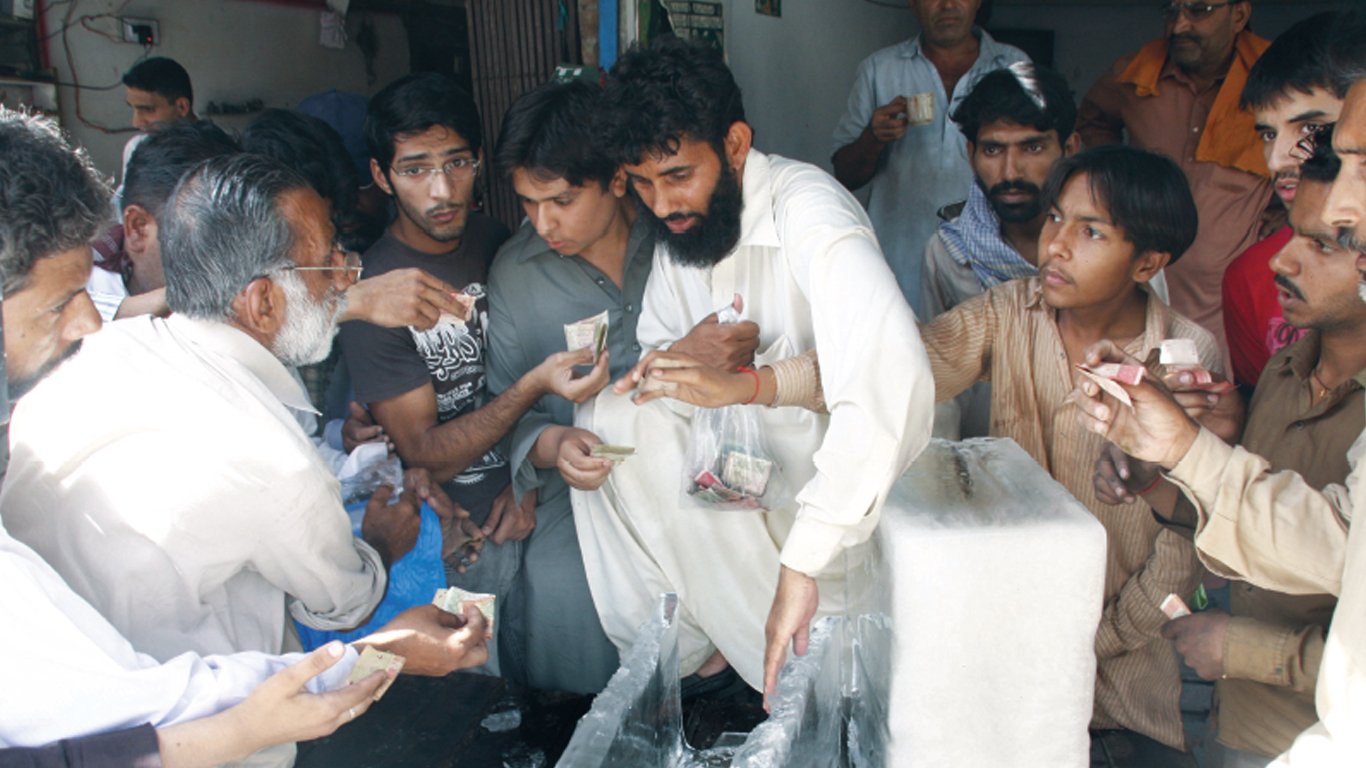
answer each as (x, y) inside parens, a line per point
(1323, 165)
(549, 133)
(1346, 57)
(162, 76)
(656, 96)
(413, 104)
(1146, 195)
(1002, 95)
(1294, 62)
(310, 147)
(53, 198)
(163, 157)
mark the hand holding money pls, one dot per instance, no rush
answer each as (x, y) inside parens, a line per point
(575, 460)
(685, 378)
(434, 642)
(373, 660)
(455, 600)
(558, 374)
(1152, 427)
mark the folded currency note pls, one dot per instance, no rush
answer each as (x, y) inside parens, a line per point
(373, 660)
(454, 600)
(745, 473)
(1180, 353)
(615, 453)
(589, 332)
(1174, 606)
(1106, 374)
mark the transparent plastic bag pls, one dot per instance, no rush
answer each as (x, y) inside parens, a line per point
(728, 464)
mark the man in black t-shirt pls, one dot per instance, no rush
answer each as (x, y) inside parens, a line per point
(426, 389)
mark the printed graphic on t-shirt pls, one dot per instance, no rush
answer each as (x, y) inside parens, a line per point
(454, 354)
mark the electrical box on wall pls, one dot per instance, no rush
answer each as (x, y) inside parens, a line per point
(19, 9)
(145, 32)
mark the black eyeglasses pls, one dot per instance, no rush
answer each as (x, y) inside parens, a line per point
(1194, 11)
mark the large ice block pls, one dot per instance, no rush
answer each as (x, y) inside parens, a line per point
(638, 718)
(806, 724)
(993, 575)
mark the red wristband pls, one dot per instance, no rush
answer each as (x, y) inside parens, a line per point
(1156, 479)
(755, 374)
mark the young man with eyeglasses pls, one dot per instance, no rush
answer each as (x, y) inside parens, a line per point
(1289, 93)
(1178, 95)
(426, 388)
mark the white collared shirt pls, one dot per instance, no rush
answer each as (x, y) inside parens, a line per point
(812, 277)
(68, 673)
(162, 474)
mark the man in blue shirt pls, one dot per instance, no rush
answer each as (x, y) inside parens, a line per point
(897, 135)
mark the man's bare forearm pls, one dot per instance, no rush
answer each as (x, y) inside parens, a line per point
(855, 164)
(446, 450)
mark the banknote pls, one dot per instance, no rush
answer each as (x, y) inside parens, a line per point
(454, 600)
(373, 660)
(1174, 606)
(588, 332)
(745, 473)
(1180, 353)
(1108, 385)
(466, 302)
(616, 453)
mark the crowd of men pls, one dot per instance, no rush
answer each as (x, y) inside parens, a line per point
(172, 518)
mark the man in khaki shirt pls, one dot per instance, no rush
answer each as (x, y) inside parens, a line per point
(1305, 415)
(1275, 529)
(1102, 240)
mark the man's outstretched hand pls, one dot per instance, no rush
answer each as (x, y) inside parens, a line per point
(1155, 429)
(789, 621)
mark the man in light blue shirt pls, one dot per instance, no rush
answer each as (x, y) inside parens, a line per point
(897, 133)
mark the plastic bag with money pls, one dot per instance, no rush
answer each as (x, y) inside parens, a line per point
(728, 464)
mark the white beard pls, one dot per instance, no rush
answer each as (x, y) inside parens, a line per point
(306, 336)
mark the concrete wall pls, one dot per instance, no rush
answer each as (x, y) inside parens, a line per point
(796, 70)
(235, 50)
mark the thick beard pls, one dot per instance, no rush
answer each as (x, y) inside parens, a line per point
(1016, 213)
(716, 232)
(306, 336)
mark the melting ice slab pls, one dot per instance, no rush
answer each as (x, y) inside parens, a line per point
(638, 718)
(993, 575)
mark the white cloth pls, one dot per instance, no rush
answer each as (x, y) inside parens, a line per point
(927, 168)
(68, 673)
(812, 277)
(106, 289)
(185, 503)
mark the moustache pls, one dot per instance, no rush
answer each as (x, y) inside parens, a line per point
(1347, 239)
(1290, 287)
(1014, 186)
(1188, 37)
(439, 209)
(682, 216)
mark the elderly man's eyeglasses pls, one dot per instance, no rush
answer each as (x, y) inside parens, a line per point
(349, 261)
(1194, 11)
(456, 168)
